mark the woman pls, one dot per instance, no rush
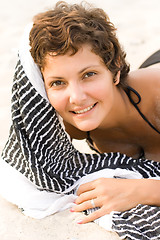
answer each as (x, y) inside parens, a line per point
(88, 83)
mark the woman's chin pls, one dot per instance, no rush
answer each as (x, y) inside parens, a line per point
(87, 128)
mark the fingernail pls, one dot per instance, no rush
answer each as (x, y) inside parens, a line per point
(80, 222)
(71, 210)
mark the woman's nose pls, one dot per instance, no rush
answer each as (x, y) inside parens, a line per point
(77, 94)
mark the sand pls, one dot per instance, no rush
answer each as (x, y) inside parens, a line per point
(138, 24)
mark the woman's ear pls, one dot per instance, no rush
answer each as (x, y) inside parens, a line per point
(116, 78)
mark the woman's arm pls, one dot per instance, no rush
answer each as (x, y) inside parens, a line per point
(116, 195)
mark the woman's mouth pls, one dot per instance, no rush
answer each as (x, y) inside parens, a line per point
(84, 110)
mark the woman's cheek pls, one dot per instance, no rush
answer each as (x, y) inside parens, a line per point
(57, 102)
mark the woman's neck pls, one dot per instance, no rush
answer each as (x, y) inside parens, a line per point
(121, 113)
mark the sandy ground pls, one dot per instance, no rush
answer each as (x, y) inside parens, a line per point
(138, 24)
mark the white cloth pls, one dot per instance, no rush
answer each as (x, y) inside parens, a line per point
(39, 204)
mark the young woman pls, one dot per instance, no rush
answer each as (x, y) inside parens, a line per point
(73, 82)
(89, 84)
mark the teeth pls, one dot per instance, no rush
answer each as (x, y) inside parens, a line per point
(84, 110)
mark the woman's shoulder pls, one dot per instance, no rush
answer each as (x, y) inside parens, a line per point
(147, 83)
(145, 80)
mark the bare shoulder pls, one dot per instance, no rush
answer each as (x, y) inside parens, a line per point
(145, 81)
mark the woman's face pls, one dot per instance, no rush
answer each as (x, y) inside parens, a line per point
(80, 88)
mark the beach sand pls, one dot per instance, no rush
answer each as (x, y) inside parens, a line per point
(138, 24)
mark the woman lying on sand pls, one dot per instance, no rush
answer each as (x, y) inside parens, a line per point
(89, 85)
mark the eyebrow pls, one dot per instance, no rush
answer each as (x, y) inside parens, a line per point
(81, 71)
(59, 78)
(84, 69)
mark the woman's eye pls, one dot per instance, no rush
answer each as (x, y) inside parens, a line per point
(89, 74)
(57, 83)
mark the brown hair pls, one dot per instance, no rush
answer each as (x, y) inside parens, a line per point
(67, 27)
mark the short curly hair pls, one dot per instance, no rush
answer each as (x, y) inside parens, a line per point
(69, 26)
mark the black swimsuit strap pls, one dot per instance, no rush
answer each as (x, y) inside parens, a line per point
(90, 142)
(129, 90)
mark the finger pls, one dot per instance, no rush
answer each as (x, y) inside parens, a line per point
(85, 197)
(85, 187)
(84, 206)
(93, 216)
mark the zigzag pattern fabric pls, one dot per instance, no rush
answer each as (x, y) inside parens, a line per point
(39, 148)
(141, 222)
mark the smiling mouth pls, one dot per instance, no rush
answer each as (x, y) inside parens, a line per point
(84, 110)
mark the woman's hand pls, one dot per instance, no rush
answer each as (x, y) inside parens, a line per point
(109, 195)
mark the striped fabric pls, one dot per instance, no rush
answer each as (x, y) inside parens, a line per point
(141, 222)
(39, 148)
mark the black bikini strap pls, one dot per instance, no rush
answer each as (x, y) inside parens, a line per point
(130, 89)
(88, 135)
